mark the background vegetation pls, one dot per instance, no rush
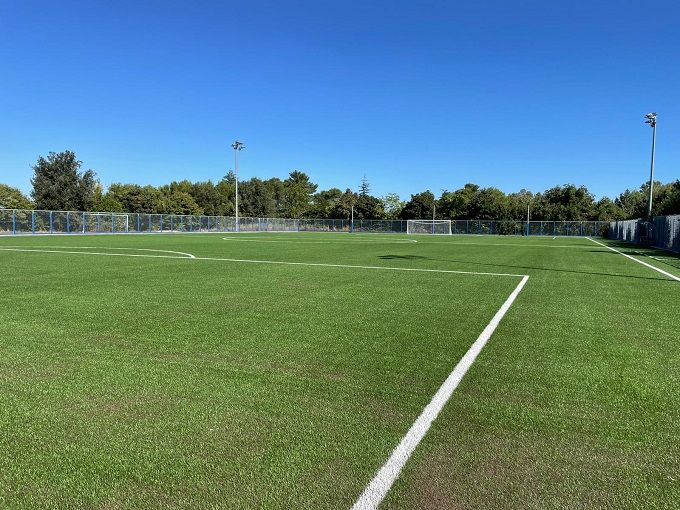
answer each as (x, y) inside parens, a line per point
(59, 184)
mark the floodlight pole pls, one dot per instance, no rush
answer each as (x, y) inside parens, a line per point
(528, 215)
(434, 211)
(351, 226)
(651, 120)
(237, 146)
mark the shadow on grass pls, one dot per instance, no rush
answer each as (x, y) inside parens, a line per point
(514, 266)
(669, 259)
(404, 257)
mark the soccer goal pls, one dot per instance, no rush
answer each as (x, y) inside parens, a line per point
(440, 227)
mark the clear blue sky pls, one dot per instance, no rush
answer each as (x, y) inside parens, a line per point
(416, 95)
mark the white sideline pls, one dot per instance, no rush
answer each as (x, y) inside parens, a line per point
(188, 255)
(273, 262)
(141, 255)
(672, 276)
(378, 488)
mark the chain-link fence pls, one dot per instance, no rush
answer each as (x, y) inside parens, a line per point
(15, 221)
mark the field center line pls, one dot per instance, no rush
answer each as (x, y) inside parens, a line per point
(272, 262)
(672, 276)
(378, 488)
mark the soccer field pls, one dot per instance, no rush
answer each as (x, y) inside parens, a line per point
(281, 370)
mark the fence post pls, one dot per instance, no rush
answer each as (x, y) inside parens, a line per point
(14, 221)
(33, 221)
(84, 221)
(68, 223)
(51, 226)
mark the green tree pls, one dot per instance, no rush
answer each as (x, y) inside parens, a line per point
(298, 190)
(276, 190)
(13, 198)
(105, 202)
(325, 203)
(368, 207)
(421, 206)
(564, 203)
(607, 210)
(392, 205)
(180, 202)
(208, 197)
(488, 204)
(137, 199)
(227, 191)
(670, 202)
(58, 183)
(457, 205)
(516, 205)
(364, 187)
(255, 199)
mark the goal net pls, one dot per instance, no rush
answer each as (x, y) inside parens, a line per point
(441, 227)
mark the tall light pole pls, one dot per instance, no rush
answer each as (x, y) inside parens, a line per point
(237, 146)
(651, 120)
(434, 212)
(528, 213)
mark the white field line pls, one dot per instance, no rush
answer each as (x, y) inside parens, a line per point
(352, 266)
(272, 262)
(378, 488)
(105, 254)
(665, 273)
(187, 255)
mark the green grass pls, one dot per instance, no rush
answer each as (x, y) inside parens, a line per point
(143, 382)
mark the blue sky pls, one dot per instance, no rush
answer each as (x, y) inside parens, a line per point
(416, 95)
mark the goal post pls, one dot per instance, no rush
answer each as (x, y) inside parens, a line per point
(432, 227)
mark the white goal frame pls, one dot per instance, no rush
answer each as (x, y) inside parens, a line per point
(431, 227)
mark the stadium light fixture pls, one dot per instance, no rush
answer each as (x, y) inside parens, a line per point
(237, 146)
(650, 119)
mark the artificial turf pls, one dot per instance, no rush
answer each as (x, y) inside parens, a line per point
(153, 382)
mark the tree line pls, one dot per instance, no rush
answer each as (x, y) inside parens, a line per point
(59, 184)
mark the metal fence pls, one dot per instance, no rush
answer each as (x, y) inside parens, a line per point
(532, 228)
(16, 221)
(663, 232)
